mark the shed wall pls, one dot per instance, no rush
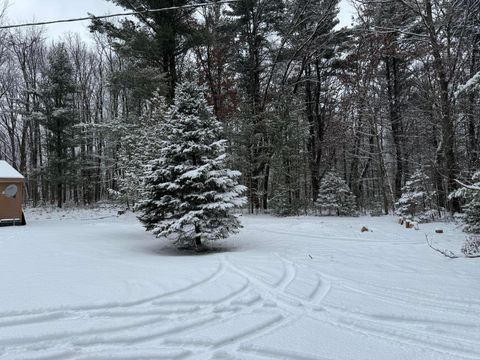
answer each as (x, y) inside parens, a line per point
(11, 208)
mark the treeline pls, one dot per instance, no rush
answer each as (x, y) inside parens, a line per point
(298, 97)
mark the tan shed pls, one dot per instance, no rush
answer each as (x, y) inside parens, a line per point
(11, 195)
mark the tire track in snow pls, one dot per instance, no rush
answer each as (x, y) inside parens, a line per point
(240, 308)
(296, 307)
(122, 335)
(278, 354)
(143, 307)
(28, 319)
(228, 343)
(143, 354)
(433, 342)
(276, 293)
(429, 305)
(249, 331)
(209, 307)
(43, 314)
(152, 334)
(289, 273)
(55, 336)
(318, 292)
(430, 297)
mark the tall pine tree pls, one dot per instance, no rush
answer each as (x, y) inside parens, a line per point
(155, 41)
(58, 94)
(189, 192)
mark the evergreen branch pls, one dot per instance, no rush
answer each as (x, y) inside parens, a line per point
(470, 187)
(93, 17)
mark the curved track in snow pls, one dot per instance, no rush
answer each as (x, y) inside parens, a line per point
(300, 288)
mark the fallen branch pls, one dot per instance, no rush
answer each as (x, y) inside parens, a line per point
(448, 253)
(445, 252)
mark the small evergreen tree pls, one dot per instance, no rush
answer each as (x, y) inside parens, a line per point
(415, 202)
(188, 190)
(472, 214)
(471, 197)
(335, 197)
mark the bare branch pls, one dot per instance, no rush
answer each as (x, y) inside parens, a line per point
(444, 252)
(448, 253)
(470, 187)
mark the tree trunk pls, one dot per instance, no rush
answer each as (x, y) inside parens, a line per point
(393, 92)
(474, 161)
(448, 131)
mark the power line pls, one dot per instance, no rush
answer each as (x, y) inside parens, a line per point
(93, 17)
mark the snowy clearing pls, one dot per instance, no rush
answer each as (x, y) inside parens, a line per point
(87, 285)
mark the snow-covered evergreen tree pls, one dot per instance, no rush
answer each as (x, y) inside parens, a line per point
(471, 196)
(335, 197)
(415, 202)
(188, 191)
(132, 158)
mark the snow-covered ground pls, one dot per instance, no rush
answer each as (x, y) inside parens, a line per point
(84, 285)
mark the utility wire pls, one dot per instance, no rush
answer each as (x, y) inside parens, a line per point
(93, 17)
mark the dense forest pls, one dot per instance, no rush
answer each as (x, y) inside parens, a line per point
(382, 110)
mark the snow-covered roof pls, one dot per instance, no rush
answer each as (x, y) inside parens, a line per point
(8, 172)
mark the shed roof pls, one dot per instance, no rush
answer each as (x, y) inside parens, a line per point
(8, 172)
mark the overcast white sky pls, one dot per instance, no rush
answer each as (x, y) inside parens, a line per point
(43, 10)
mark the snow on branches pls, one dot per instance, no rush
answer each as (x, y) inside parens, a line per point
(471, 196)
(471, 85)
(470, 248)
(189, 192)
(416, 200)
(335, 197)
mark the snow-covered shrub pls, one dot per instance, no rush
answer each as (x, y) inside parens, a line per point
(335, 197)
(188, 191)
(377, 209)
(416, 200)
(472, 215)
(285, 199)
(434, 214)
(471, 197)
(279, 204)
(472, 246)
(284, 204)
